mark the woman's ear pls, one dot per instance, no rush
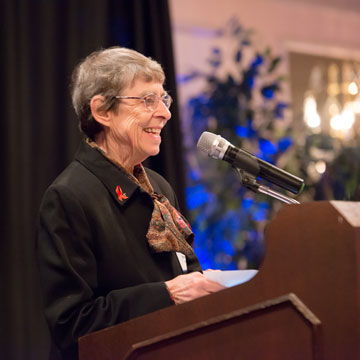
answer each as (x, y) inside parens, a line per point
(99, 114)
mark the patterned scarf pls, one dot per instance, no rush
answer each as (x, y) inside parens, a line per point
(168, 229)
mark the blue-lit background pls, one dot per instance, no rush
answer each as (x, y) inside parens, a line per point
(241, 99)
(243, 106)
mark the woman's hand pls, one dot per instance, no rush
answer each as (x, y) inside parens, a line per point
(191, 286)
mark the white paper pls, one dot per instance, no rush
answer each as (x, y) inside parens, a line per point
(231, 277)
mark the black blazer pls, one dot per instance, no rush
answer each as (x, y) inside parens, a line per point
(95, 263)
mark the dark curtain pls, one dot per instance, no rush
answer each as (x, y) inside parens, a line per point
(40, 42)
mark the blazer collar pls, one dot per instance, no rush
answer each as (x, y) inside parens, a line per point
(115, 179)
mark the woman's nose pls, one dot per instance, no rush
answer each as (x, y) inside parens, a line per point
(163, 111)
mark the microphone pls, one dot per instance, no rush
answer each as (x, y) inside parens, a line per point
(217, 147)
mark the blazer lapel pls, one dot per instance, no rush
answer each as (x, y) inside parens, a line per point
(114, 178)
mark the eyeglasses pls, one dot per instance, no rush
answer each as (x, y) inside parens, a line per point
(151, 101)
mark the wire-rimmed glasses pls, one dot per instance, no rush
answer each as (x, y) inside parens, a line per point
(151, 101)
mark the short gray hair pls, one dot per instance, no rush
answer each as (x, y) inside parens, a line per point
(108, 72)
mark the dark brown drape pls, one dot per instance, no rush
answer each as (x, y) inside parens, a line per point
(40, 42)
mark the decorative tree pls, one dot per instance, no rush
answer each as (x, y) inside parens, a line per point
(240, 101)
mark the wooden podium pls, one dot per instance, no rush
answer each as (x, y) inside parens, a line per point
(304, 303)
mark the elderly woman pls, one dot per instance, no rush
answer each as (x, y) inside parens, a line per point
(111, 243)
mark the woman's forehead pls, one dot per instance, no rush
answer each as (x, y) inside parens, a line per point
(143, 87)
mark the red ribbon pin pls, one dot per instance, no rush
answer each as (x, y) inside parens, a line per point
(121, 196)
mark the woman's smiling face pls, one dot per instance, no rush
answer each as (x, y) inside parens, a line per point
(136, 130)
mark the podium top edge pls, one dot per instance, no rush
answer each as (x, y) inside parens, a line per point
(350, 210)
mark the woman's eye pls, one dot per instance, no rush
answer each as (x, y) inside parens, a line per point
(150, 100)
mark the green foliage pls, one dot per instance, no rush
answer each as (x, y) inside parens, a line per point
(240, 102)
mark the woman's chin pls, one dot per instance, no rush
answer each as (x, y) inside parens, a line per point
(154, 151)
(150, 152)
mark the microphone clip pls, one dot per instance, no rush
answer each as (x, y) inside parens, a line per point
(249, 181)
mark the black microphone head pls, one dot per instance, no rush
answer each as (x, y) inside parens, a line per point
(212, 144)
